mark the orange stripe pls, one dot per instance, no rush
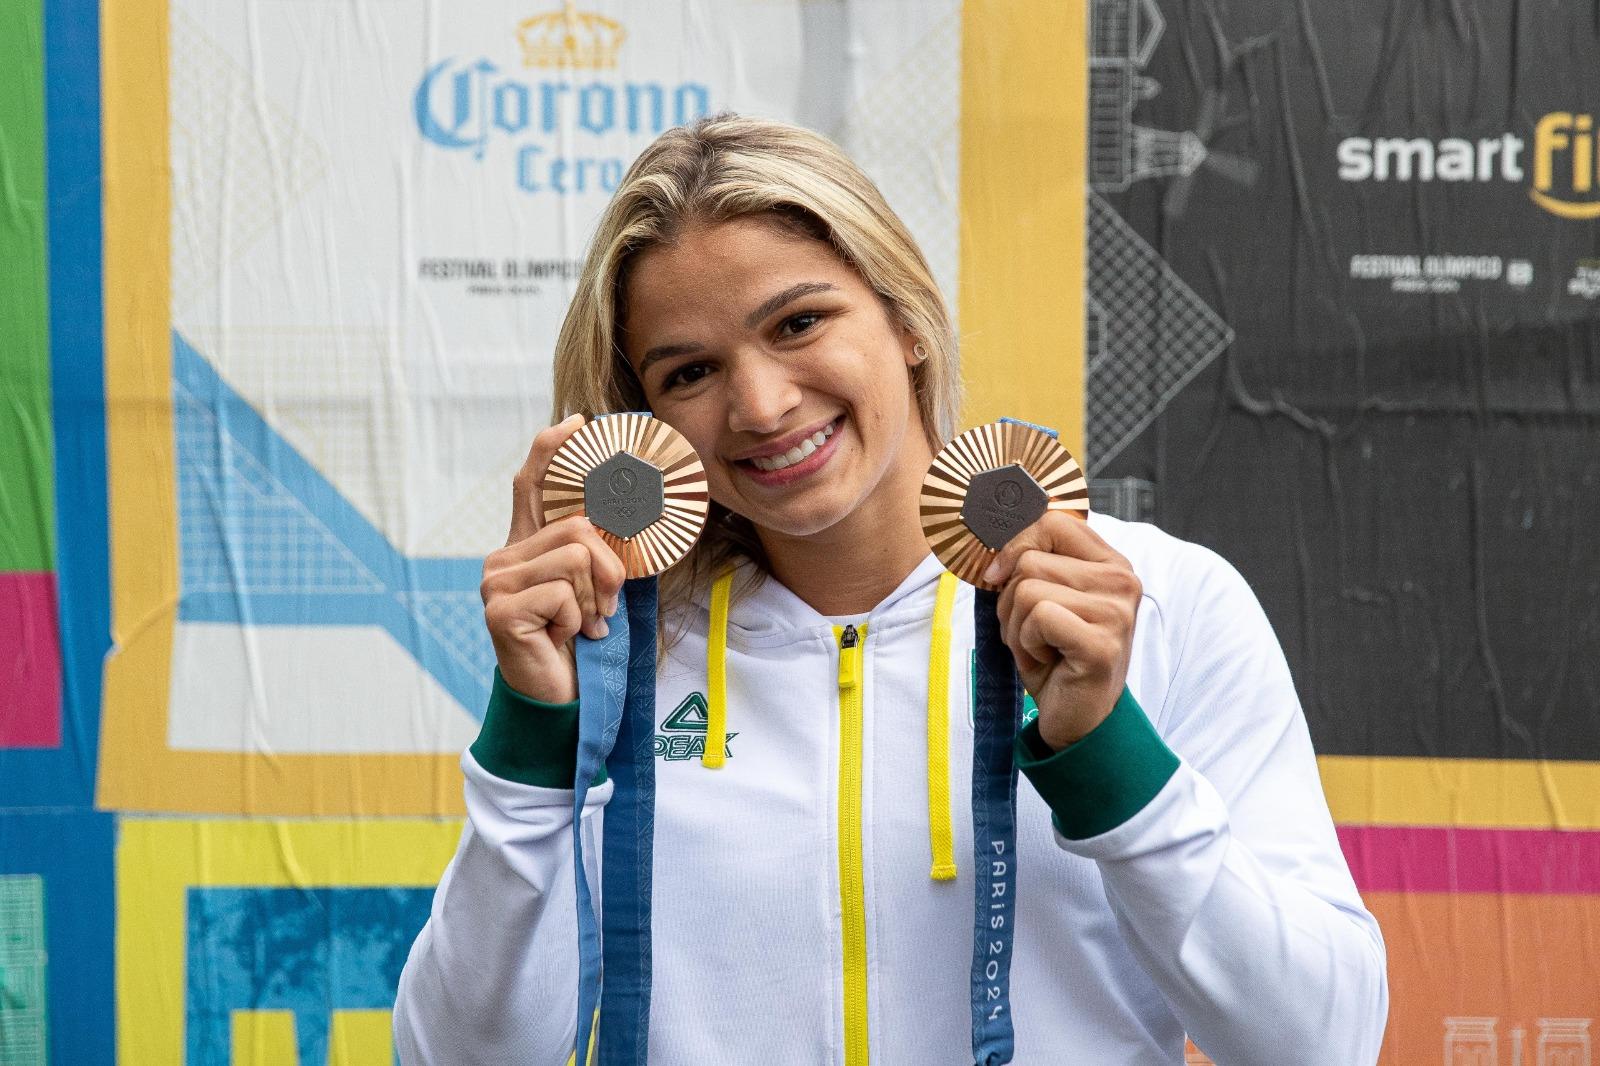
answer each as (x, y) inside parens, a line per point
(1509, 962)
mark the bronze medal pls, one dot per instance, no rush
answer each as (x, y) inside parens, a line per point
(989, 484)
(641, 484)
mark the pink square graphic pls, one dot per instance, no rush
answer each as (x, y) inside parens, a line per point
(30, 662)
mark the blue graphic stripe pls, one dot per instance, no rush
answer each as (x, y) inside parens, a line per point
(994, 835)
(629, 846)
(268, 540)
(65, 776)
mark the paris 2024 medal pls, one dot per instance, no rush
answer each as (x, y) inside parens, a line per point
(641, 484)
(989, 484)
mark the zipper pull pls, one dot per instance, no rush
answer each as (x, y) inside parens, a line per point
(849, 658)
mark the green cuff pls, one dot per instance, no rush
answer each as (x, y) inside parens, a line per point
(1103, 780)
(529, 741)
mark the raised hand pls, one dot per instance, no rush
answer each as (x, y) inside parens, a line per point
(1067, 611)
(548, 584)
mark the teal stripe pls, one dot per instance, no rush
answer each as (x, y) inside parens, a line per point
(1104, 779)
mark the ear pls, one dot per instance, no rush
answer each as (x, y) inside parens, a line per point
(913, 350)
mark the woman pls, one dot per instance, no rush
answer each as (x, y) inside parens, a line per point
(1177, 867)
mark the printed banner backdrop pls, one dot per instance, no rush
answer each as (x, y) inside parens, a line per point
(285, 282)
(371, 246)
(281, 284)
(265, 942)
(1343, 269)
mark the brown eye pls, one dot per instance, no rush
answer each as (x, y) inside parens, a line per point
(686, 375)
(803, 322)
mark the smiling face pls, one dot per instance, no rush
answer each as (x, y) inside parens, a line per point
(784, 370)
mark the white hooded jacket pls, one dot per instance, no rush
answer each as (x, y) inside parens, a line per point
(1220, 907)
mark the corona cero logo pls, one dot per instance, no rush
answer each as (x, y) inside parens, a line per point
(1565, 162)
(559, 121)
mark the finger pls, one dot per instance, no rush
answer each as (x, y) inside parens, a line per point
(574, 527)
(551, 606)
(1110, 576)
(527, 511)
(1021, 598)
(1053, 631)
(607, 569)
(1056, 532)
(570, 562)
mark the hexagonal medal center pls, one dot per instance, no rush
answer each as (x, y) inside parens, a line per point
(624, 495)
(1001, 503)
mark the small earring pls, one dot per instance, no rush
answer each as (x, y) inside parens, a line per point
(919, 353)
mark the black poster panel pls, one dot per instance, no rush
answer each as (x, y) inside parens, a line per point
(1344, 296)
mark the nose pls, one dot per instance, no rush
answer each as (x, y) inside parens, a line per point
(761, 394)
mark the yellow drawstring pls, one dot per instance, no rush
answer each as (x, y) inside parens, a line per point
(940, 835)
(717, 675)
(940, 839)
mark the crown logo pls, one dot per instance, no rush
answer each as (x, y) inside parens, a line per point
(572, 39)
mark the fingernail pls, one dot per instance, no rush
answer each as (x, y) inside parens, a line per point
(992, 575)
(611, 607)
(601, 628)
(570, 417)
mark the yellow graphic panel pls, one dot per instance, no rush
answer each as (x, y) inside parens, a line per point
(362, 1038)
(264, 941)
(1024, 86)
(263, 1037)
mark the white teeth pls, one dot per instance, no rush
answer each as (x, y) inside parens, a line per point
(794, 455)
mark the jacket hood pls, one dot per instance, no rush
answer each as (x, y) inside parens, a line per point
(771, 614)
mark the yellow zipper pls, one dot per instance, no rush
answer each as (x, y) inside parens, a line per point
(852, 883)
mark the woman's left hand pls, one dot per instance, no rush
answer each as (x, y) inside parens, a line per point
(1067, 611)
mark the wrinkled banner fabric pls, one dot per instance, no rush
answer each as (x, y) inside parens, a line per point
(339, 243)
(1344, 292)
(1316, 286)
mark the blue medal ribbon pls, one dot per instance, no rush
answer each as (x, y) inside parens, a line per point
(996, 717)
(628, 840)
(616, 726)
(995, 720)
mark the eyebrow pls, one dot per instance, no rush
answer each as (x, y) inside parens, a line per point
(666, 351)
(751, 321)
(793, 292)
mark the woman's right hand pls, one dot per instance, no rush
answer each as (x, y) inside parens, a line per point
(548, 584)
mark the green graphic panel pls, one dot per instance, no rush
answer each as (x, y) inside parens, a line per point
(22, 971)
(27, 508)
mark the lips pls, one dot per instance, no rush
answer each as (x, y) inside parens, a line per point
(799, 460)
(795, 454)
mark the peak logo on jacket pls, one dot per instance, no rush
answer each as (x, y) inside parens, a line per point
(683, 733)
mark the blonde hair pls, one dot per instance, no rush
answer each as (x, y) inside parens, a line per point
(723, 167)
